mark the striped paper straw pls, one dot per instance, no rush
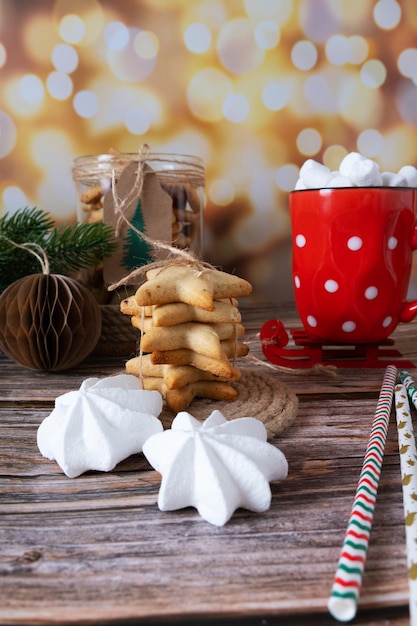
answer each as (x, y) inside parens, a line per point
(347, 582)
(408, 458)
(410, 386)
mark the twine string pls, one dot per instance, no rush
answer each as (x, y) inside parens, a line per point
(142, 316)
(184, 172)
(120, 205)
(35, 249)
(331, 370)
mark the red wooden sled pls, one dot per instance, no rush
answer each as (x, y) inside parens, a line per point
(306, 352)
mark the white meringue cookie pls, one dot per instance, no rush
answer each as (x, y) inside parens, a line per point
(216, 466)
(99, 425)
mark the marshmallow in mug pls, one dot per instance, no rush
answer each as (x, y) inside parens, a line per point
(355, 170)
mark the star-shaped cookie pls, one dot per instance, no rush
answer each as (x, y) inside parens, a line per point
(202, 338)
(184, 283)
(178, 399)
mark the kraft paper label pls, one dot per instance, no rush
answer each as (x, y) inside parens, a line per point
(150, 213)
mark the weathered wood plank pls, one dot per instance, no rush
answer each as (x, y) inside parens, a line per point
(97, 549)
(20, 385)
(98, 544)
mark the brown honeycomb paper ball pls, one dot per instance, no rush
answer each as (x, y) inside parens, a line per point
(48, 322)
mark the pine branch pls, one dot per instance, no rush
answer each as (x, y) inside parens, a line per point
(80, 246)
(68, 248)
(25, 225)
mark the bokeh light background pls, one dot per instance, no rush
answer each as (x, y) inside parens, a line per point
(254, 87)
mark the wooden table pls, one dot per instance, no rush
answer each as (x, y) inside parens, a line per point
(96, 549)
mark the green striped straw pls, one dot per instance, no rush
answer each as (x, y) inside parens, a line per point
(344, 595)
(410, 386)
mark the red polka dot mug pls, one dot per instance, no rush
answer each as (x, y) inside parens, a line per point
(352, 253)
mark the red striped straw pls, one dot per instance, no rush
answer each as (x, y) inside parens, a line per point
(344, 595)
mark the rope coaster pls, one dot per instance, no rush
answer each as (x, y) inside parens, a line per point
(260, 396)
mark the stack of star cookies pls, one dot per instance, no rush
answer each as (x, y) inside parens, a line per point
(191, 333)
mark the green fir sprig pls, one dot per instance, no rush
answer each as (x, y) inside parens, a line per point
(68, 248)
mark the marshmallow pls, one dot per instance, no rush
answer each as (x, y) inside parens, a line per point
(337, 180)
(215, 466)
(390, 179)
(98, 426)
(410, 174)
(309, 164)
(363, 172)
(355, 170)
(314, 174)
(299, 185)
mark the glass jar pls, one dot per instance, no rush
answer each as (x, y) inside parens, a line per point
(181, 176)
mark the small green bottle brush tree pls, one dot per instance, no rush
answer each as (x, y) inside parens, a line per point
(48, 320)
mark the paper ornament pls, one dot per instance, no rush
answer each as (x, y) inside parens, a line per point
(48, 322)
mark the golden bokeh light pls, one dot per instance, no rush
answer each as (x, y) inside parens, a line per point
(12, 196)
(236, 108)
(3, 55)
(387, 14)
(407, 63)
(334, 155)
(206, 93)
(399, 139)
(286, 177)
(373, 73)
(19, 98)
(267, 34)
(309, 141)
(304, 55)
(222, 192)
(370, 111)
(72, 28)
(31, 89)
(8, 134)
(212, 13)
(86, 103)
(126, 60)
(59, 85)
(197, 37)
(146, 44)
(237, 48)
(64, 58)
(86, 28)
(253, 87)
(359, 49)
(269, 10)
(370, 143)
(38, 38)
